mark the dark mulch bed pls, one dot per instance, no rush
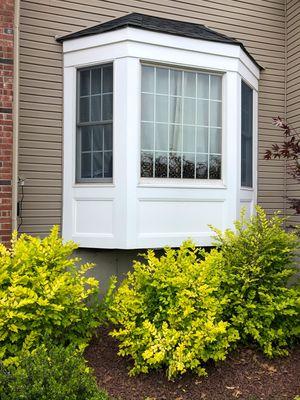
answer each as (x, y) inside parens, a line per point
(245, 375)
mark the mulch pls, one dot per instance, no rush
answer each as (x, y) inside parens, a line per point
(245, 375)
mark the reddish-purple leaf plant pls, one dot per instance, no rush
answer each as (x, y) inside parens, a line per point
(289, 150)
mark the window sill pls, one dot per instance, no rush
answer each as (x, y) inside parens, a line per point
(180, 184)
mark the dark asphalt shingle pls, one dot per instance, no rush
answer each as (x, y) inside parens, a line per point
(158, 24)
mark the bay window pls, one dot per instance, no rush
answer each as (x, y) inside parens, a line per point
(160, 133)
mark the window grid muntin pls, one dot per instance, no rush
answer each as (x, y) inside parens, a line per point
(92, 124)
(209, 155)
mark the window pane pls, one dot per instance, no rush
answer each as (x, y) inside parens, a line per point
(107, 107)
(86, 140)
(215, 140)
(201, 166)
(175, 109)
(84, 106)
(215, 113)
(161, 165)
(175, 82)
(84, 82)
(215, 167)
(202, 112)
(96, 108)
(189, 139)
(175, 162)
(147, 107)
(98, 164)
(108, 164)
(202, 86)
(190, 84)
(96, 81)
(108, 137)
(188, 166)
(247, 136)
(86, 165)
(216, 87)
(147, 164)
(175, 140)
(162, 80)
(202, 140)
(162, 106)
(161, 137)
(147, 141)
(147, 79)
(108, 79)
(189, 111)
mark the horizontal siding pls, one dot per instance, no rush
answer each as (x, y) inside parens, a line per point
(259, 24)
(293, 87)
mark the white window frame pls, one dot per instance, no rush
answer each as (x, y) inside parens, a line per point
(118, 214)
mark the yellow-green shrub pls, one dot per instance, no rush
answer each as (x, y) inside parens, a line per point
(168, 312)
(43, 294)
(258, 262)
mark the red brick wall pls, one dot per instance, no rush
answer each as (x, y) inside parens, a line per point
(6, 124)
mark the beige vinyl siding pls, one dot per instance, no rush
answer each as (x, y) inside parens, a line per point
(260, 24)
(293, 85)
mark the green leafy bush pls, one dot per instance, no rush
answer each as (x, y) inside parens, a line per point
(44, 294)
(168, 312)
(258, 262)
(55, 374)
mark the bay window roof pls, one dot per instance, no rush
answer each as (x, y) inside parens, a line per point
(162, 25)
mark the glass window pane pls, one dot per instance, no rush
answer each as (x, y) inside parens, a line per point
(97, 138)
(175, 82)
(162, 80)
(108, 137)
(98, 164)
(202, 86)
(96, 81)
(201, 166)
(215, 140)
(162, 109)
(189, 139)
(161, 165)
(147, 139)
(202, 112)
(96, 108)
(190, 84)
(84, 109)
(215, 167)
(86, 140)
(175, 164)
(147, 164)
(189, 111)
(202, 140)
(86, 170)
(108, 79)
(147, 107)
(108, 164)
(84, 82)
(247, 136)
(175, 110)
(175, 139)
(147, 79)
(161, 137)
(188, 166)
(107, 107)
(215, 113)
(216, 87)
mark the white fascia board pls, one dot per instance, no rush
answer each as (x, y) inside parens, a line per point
(161, 40)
